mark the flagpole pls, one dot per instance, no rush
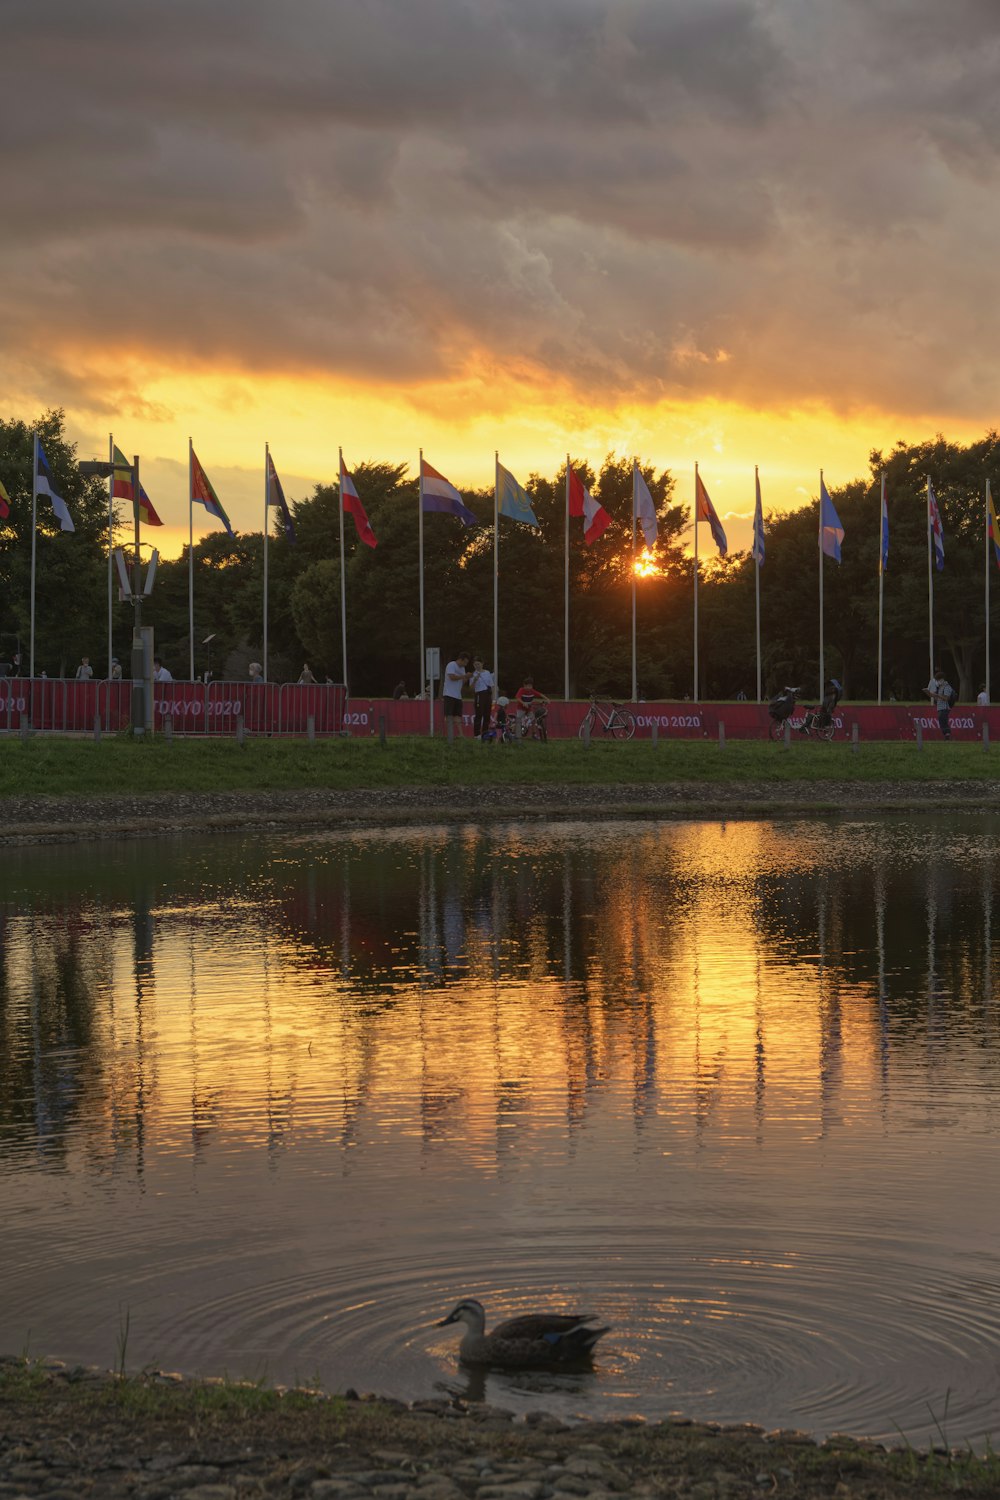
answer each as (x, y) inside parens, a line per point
(695, 694)
(267, 456)
(881, 582)
(987, 587)
(820, 542)
(756, 481)
(191, 557)
(343, 579)
(420, 551)
(496, 566)
(34, 532)
(566, 593)
(930, 581)
(635, 501)
(111, 544)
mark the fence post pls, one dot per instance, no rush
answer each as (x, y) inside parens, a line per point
(25, 728)
(788, 733)
(920, 735)
(381, 730)
(986, 737)
(854, 738)
(97, 729)
(655, 734)
(586, 734)
(311, 727)
(168, 728)
(239, 729)
(722, 735)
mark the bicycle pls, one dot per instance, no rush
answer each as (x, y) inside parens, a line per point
(781, 708)
(613, 718)
(533, 725)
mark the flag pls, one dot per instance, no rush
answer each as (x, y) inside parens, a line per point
(352, 503)
(276, 499)
(934, 524)
(203, 491)
(582, 503)
(831, 533)
(704, 510)
(643, 509)
(994, 531)
(514, 501)
(44, 485)
(123, 489)
(439, 495)
(4, 502)
(883, 555)
(757, 552)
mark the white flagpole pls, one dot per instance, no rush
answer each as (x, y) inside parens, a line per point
(756, 492)
(267, 528)
(635, 502)
(987, 588)
(881, 582)
(566, 593)
(930, 582)
(343, 577)
(191, 555)
(34, 532)
(496, 567)
(420, 549)
(822, 674)
(111, 544)
(695, 694)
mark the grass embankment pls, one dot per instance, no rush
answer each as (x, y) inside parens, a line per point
(103, 1435)
(49, 767)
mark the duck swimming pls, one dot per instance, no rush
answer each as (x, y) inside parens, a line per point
(534, 1341)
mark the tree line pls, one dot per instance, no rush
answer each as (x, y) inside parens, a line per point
(382, 583)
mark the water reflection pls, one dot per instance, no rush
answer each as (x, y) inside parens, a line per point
(734, 1083)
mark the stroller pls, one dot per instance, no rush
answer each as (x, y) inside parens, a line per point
(780, 708)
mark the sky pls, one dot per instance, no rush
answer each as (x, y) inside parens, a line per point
(735, 232)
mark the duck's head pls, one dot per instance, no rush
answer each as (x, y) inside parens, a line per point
(468, 1311)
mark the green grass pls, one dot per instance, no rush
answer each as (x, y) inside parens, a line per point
(45, 766)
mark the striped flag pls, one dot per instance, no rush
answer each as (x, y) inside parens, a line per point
(4, 502)
(758, 527)
(883, 553)
(994, 532)
(45, 485)
(352, 503)
(936, 529)
(123, 489)
(203, 491)
(704, 510)
(276, 499)
(582, 503)
(437, 494)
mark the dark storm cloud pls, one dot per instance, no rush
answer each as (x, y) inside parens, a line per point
(758, 199)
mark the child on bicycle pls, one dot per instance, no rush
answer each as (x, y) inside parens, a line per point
(534, 705)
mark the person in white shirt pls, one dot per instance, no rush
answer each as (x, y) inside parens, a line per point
(483, 691)
(940, 694)
(160, 672)
(983, 700)
(84, 671)
(456, 675)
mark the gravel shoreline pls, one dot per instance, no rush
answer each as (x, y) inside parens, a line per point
(72, 818)
(71, 1431)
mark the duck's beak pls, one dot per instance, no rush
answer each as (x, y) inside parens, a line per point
(444, 1321)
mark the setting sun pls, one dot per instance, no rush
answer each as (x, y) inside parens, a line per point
(646, 566)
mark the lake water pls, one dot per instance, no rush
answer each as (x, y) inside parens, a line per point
(278, 1102)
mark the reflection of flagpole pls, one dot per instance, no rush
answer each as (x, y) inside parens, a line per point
(191, 556)
(34, 533)
(635, 506)
(420, 566)
(881, 580)
(821, 663)
(930, 581)
(343, 579)
(756, 543)
(111, 544)
(566, 593)
(267, 496)
(496, 567)
(695, 695)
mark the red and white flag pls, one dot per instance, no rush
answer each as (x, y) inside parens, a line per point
(582, 503)
(351, 502)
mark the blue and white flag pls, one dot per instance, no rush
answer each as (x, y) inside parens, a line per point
(513, 500)
(831, 533)
(758, 527)
(439, 494)
(934, 527)
(643, 509)
(45, 485)
(883, 555)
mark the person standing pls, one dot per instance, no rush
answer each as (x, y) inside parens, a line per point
(84, 671)
(983, 699)
(456, 675)
(483, 690)
(940, 692)
(160, 672)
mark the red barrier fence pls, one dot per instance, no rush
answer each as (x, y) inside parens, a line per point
(266, 708)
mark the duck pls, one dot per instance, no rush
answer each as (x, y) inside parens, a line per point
(533, 1341)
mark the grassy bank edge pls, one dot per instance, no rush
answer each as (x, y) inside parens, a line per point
(152, 1409)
